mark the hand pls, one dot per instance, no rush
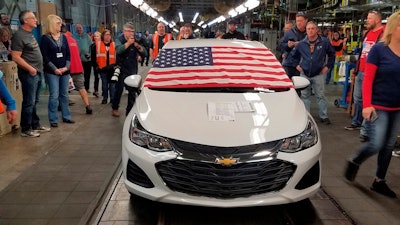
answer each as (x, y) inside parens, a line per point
(324, 70)
(12, 116)
(298, 67)
(292, 44)
(33, 72)
(367, 113)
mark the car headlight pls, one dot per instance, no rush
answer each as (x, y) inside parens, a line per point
(304, 140)
(139, 136)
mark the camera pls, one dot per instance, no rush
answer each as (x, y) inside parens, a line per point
(115, 76)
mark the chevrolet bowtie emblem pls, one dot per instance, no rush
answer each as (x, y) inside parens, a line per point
(227, 161)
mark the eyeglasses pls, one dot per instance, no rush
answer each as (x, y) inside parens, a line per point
(31, 18)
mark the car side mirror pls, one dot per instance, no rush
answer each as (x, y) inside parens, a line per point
(300, 82)
(133, 80)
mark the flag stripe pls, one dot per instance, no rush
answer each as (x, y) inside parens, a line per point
(217, 66)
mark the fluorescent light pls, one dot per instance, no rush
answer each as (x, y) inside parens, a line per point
(217, 20)
(200, 23)
(175, 30)
(144, 7)
(251, 4)
(180, 17)
(241, 9)
(204, 26)
(197, 30)
(195, 17)
(136, 3)
(233, 13)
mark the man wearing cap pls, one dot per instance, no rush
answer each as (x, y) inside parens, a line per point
(290, 40)
(232, 32)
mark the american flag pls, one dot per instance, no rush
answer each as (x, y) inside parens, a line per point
(217, 66)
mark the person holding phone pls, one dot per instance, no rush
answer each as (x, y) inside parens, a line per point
(381, 106)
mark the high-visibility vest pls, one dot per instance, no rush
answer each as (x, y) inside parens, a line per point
(167, 37)
(101, 54)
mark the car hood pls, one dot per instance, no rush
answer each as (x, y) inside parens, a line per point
(208, 118)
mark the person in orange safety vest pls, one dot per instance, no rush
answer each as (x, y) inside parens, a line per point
(159, 39)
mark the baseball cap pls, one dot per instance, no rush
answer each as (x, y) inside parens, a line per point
(232, 22)
(303, 14)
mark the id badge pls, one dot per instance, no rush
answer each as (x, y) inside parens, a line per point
(59, 55)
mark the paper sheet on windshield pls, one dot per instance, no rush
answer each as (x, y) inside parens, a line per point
(225, 111)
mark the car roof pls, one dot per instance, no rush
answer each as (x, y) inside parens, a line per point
(202, 63)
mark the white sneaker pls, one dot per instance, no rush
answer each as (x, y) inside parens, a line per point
(30, 133)
(42, 129)
(396, 153)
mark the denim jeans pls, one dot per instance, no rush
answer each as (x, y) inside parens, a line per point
(30, 95)
(107, 87)
(317, 84)
(357, 97)
(58, 89)
(382, 139)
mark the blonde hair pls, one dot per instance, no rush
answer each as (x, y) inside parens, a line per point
(391, 25)
(51, 24)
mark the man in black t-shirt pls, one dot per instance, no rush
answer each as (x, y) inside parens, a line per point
(233, 33)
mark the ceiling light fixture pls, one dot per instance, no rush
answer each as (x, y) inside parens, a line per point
(241, 9)
(195, 17)
(200, 23)
(136, 3)
(180, 17)
(251, 4)
(232, 13)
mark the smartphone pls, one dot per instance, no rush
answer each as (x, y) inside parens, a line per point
(291, 39)
(373, 117)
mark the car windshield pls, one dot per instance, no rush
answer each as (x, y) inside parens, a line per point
(217, 69)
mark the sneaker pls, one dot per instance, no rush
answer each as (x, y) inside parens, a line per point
(351, 171)
(115, 113)
(89, 110)
(104, 102)
(364, 138)
(382, 188)
(41, 129)
(326, 121)
(30, 133)
(353, 127)
(96, 94)
(396, 153)
(70, 102)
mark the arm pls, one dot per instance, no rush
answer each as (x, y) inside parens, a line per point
(330, 52)
(9, 101)
(45, 48)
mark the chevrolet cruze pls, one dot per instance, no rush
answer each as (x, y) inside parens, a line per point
(219, 123)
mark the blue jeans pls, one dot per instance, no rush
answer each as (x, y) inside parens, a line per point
(317, 83)
(107, 87)
(357, 97)
(30, 98)
(382, 139)
(58, 89)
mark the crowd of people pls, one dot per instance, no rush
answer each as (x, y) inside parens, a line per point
(62, 57)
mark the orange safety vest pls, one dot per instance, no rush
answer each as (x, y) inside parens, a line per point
(167, 37)
(336, 43)
(101, 54)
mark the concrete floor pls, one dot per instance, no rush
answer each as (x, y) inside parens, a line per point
(65, 176)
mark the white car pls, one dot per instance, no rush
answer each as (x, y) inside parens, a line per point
(219, 123)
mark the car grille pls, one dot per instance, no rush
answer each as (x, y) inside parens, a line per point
(214, 180)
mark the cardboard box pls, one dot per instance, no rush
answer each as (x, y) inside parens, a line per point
(10, 78)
